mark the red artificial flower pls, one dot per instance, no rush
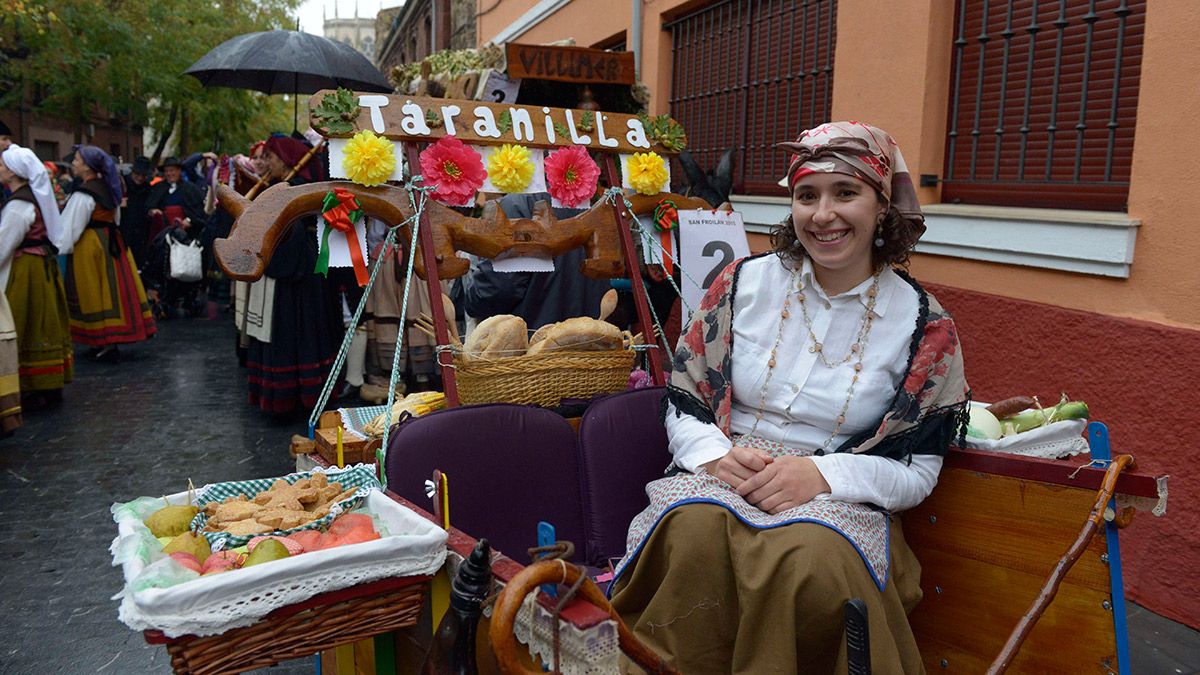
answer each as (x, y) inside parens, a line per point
(571, 175)
(454, 169)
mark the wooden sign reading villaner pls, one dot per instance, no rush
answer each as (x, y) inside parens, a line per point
(413, 118)
(569, 64)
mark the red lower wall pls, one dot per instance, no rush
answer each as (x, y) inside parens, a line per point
(1137, 377)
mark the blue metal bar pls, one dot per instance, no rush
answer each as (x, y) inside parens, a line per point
(1032, 29)
(1122, 13)
(1081, 127)
(831, 23)
(1060, 24)
(960, 45)
(983, 40)
(1007, 34)
(1101, 451)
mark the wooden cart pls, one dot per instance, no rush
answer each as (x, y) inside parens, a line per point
(989, 536)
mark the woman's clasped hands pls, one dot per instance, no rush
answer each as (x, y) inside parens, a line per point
(773, 484)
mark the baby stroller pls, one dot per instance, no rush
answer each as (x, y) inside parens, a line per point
(169, 296)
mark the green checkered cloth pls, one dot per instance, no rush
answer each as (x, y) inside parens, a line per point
(361, 477)
(355, 420)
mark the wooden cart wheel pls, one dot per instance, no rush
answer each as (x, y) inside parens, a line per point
(505, 613)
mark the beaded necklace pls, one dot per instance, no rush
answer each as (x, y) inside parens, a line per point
(857, 349)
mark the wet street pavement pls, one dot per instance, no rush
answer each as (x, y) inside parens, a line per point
(175, 409)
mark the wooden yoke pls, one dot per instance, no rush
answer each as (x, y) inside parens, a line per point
(495, 234)
(262, 222)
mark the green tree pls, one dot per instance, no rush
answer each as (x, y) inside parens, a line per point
(83, 60)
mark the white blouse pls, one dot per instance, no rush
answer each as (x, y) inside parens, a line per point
(804, 397)
(75, 217)
(15, 220)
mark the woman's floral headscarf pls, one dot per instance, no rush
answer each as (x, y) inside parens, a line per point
(860, 150)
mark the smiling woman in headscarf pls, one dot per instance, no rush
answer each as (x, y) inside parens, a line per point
(812, 396)
(30, 278)
(104, 294)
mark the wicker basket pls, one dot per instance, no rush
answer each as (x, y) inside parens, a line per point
(323, 622)
(543, 379)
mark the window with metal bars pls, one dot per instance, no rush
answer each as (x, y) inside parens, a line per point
(1043, 102)
(749, 74)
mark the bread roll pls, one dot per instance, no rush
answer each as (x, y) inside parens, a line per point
(497, 336)
(581, 334)
(540, 334)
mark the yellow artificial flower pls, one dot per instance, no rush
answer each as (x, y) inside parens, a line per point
(647, 172)
(369, 159)
(510, 168)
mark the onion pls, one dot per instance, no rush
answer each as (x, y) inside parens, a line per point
(983, 424)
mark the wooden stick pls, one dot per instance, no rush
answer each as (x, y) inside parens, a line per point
(429, 257)
(425, 324)
(1095, 518)
(635, 276)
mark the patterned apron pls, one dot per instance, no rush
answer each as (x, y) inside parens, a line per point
(864, 527)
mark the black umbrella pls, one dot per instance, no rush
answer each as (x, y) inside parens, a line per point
(287, 62)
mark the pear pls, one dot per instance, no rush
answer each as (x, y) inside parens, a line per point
(172, 520)
(190, 542)
(266, 551)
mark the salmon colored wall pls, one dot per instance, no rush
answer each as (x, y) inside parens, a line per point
(571, 20)
(896, 84)
(500, 13)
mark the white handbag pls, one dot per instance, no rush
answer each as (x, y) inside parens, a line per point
(186, 261)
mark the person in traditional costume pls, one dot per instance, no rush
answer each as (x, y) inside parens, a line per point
(105, 296)
(812, 397)
(31, 280)
(297, 322)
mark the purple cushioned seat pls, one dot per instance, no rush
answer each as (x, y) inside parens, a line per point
(507, 466)
(622, 446)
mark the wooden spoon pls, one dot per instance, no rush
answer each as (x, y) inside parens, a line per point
(608, 303)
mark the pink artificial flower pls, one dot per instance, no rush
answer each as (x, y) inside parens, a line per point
(454, 169)
(571, 175)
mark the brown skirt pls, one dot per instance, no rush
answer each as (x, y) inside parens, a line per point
(714, 595)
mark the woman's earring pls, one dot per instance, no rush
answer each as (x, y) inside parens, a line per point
(879, 231)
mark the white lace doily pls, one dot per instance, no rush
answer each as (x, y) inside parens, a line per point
(582, 651)
(1053, 441)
